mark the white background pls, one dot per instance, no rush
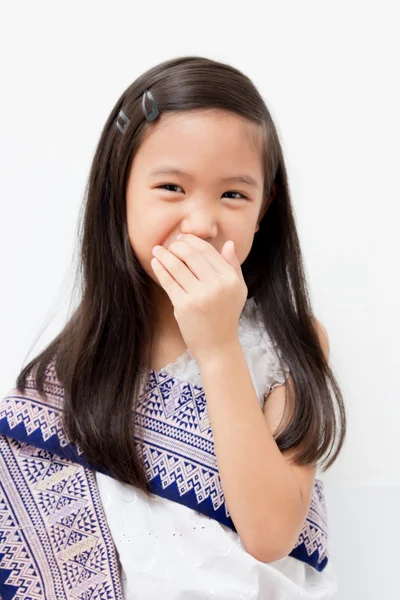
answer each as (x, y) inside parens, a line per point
(329, 73)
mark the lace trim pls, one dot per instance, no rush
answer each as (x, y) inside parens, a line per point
(185, 360)
(259, 349)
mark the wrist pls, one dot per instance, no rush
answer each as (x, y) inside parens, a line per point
(217, 357)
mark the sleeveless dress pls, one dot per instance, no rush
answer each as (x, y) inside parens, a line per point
(176, 549)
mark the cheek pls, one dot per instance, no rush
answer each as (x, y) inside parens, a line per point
(147, 229)
(243, 248)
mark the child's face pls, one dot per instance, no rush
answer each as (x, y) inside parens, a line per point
(210, 146)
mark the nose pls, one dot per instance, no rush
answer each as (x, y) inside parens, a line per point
(201, 221)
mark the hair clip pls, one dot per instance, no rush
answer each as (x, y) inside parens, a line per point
(155, 111)
(150, 115)
(123, 116)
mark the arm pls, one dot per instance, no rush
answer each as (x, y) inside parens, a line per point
(267, 496)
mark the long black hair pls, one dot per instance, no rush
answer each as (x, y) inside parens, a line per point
(105, 346)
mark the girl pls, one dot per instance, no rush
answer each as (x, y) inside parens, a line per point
(166, 443)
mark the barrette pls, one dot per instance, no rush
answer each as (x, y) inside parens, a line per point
(150, 115)
(155, 111)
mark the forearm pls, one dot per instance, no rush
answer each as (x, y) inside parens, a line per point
(261, 491)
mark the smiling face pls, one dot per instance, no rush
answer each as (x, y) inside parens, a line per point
(211, 148)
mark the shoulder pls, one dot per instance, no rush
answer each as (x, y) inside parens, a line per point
(275, 400)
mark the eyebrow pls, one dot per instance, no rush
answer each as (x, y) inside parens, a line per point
(172, 171)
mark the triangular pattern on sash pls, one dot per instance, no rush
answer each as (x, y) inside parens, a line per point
(181, 465)
(55, 542)
(178, 450)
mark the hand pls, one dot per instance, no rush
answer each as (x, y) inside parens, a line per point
(207, 290)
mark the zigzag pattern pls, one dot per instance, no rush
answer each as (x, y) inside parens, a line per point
(51, 515)
(169, 406)
(178, 449)
(314, 535)
(186, 475)
(34, 415)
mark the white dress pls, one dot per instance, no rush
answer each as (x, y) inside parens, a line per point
(171, 551)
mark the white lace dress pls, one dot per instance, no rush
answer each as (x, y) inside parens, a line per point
(170, 551)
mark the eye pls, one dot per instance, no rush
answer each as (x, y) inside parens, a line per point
(172, 185)
(168, 185)
(240, 194)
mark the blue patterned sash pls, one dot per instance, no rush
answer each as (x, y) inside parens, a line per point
(55, 542)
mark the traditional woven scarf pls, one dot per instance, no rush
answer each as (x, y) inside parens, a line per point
(55, 542)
